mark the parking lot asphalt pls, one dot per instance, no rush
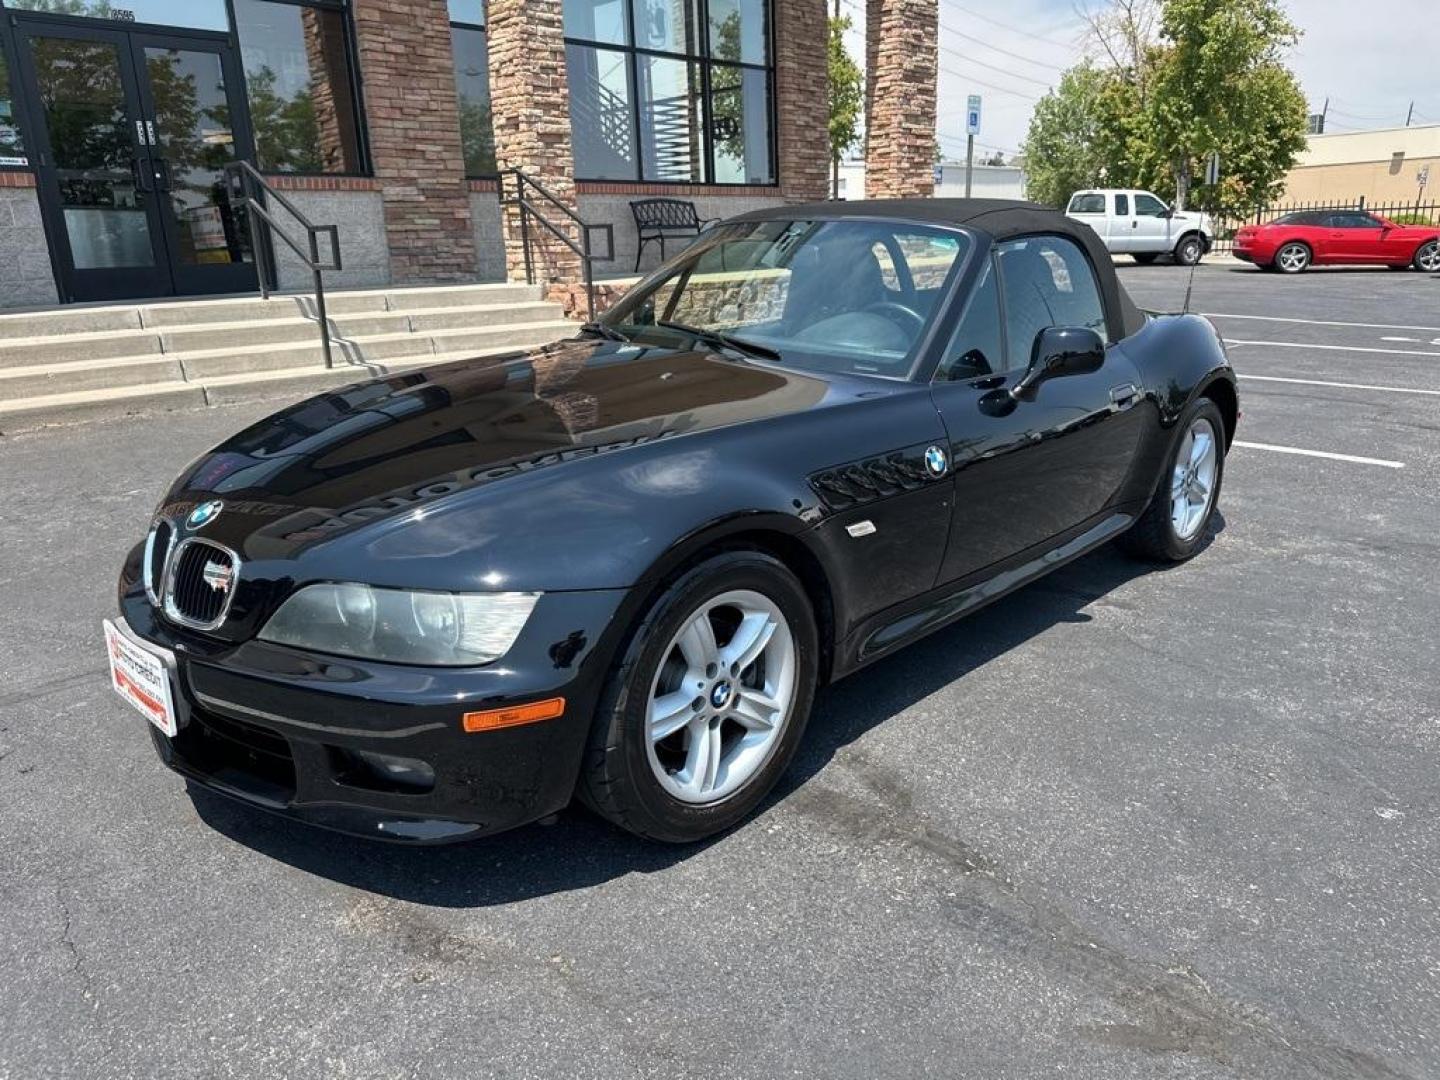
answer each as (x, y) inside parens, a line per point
(1127, 823)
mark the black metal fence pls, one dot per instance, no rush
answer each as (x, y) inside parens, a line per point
(1402, 213)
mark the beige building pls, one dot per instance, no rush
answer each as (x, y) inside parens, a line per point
(1383, 167)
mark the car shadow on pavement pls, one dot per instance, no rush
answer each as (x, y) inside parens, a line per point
(580, 851)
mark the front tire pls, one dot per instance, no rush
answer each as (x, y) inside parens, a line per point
(1293, 258)
(706, 708)
(1189, 250)
(1428, 257)
(1174, 525)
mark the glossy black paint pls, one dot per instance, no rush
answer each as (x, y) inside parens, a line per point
(589, 470)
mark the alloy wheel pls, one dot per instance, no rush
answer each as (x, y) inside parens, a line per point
(722, 697)
(1292, 258)
(1192, 486)
(1428, 258)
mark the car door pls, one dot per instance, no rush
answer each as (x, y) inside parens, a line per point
(1028, 471)
(1355, 237)
(1152, 223)
(1122, 224)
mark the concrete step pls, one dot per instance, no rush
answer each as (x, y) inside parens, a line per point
(68, 320)
(200, 365)
(58, 349)
(460, 296)
(81, 405)
(39, 381)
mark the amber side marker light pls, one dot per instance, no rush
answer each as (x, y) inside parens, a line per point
(535, 711)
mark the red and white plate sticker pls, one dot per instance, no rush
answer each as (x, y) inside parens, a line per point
(141, 678)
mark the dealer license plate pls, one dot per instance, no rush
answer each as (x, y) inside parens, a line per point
(141, 678)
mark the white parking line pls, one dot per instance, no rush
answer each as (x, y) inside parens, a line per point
(1320, 454)
(1321, 322)
(1332, 348)
(1342, 385)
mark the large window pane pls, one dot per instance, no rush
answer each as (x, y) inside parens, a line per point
(598, 20)
(196, 14)
(602, 119)
(12, 146)
(738, 32)
(468, 11)
(671, 120)
(668, 25)
(298, 77)
(740, 125)
(472, 84)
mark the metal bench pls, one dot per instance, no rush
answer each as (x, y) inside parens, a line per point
(666, 219)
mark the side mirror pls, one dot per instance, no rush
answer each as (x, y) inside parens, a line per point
(1059, 351)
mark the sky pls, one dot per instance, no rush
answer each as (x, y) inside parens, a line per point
(1371, 65)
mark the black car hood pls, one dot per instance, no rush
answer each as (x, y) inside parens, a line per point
(398, 445)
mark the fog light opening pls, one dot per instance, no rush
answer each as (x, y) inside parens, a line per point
(382, 772)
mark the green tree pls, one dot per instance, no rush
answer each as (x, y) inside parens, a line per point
(847, 99)
(1222, 87)
(1184, 79)
(1078, 135)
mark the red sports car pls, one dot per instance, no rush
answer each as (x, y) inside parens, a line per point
(1292, 243)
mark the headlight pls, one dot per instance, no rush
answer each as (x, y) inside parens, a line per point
(439, 628)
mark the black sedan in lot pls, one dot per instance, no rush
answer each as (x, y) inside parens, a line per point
(444, 603)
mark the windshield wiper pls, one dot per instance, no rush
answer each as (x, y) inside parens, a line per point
(600, 329)
(752, 349)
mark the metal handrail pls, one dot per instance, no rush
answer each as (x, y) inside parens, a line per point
(244, 181)
(583, 247)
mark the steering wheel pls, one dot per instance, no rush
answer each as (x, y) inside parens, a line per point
(911, 321)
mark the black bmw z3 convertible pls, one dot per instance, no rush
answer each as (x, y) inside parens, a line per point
(444, 603)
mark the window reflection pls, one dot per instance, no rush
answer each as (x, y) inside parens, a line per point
(12, 146)
(702, 110)
(472, 89)
(298, 77)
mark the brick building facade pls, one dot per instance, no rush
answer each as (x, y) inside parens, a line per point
(397, 121)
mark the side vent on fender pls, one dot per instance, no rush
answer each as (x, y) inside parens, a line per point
(874, 478)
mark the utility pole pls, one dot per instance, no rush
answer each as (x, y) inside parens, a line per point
(1410, 115)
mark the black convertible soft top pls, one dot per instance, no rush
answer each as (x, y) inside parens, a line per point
(1000, 219)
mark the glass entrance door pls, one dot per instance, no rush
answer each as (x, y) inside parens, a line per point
(135, 130)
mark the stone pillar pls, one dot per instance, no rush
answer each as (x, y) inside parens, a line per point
(530, 106)
(414, 124)
(801, 100)
(902, 62)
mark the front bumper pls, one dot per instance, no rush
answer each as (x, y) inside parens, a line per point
(285, 730)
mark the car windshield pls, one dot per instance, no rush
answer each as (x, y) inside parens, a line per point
(852, 296)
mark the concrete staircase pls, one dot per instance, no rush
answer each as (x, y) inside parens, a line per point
(75, 363)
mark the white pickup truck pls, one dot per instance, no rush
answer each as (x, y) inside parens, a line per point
(1140, 224)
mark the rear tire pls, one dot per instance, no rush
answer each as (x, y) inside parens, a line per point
(688, 738)
(1175, 524)
(1189, 250)
(1145, 258)
(1293, 258)
(1428, 257)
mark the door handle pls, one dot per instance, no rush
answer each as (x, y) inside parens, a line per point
(1124, 395)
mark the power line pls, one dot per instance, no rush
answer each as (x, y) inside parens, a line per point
(992, 67)
(1003, 52)
(968, 78)
(1008, 26)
